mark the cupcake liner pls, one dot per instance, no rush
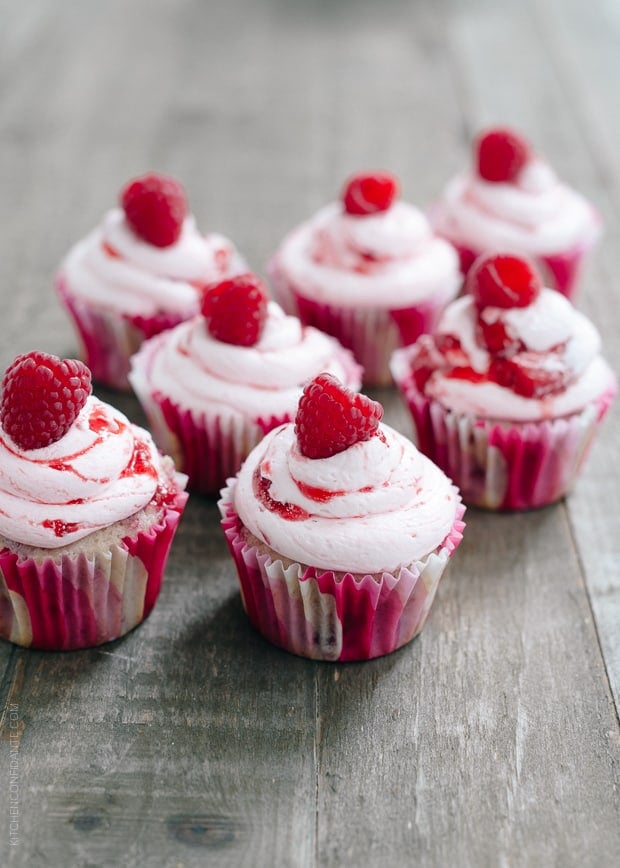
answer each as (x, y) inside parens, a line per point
(502, 464)
(77, 600)
(210, 446)
(109, 339)
(207, 448)
(323, 615)
(561, 271)
(372, 334)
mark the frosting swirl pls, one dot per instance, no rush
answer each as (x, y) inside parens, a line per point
(390, 258)
(103, 470)
(202, 373)
(536, 214)
(555, 341)
(113, 267)
(376, 506)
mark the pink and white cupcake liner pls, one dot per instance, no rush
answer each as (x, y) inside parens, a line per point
(502, 464)
(371, 334)
(560, 271)
(72, 601)
(328, 616)
(207, 448)
(109, 339)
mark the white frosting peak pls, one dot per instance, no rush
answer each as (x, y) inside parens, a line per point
(537, 177)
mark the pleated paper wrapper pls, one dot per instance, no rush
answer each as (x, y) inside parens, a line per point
(318, 614)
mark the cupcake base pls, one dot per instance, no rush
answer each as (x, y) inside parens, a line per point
(329, 616)
(502, 465)
(108, 339)
(208, 449)
(81, 598)
(372, 334)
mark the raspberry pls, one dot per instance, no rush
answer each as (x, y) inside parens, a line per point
(330, 418)
(155, 207)
(496, 337)
(501, 280)
(500, 154)
(533, 375)
(42, 396)
(235, 310)
(369, 193)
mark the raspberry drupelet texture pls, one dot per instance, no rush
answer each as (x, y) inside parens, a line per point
(155, 206)
(369, 193)
(330, 417)
(497, 282)
(500, 154)
(235, 310)
(500, 280)
(42, 396)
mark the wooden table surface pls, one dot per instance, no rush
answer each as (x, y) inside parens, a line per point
(492, 739)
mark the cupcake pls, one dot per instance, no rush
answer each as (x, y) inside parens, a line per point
(511, 200)
(137, 273)
(340, 529)
(507, 396)
(88, 510)
(368, 270)
(213, 386)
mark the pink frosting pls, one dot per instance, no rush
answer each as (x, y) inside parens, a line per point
(378, 506)
(537, 214)
(103, 470)
(208, 376)
(565, 341)
(115, 269)
(390, 259)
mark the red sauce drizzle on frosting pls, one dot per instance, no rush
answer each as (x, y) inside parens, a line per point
(98, 422)
(468, 374)
(59, 527)
(222, 258)
(141, 462)
(61, 465)
(320, 495)
(110, 250)
(288, 511)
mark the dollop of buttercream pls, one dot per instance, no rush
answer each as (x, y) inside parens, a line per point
(390, 259)
(102, 471)
(376, 506)
(114, 268)
(550, 325)
(538, 214)
(206, 375)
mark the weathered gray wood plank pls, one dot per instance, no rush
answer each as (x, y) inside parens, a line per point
(191, 739)
(190, 736)
(590, 70)
(492, 739)
(478, 746)
(538, 96)
(494, 769)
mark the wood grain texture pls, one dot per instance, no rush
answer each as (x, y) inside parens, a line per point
(493, 739)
